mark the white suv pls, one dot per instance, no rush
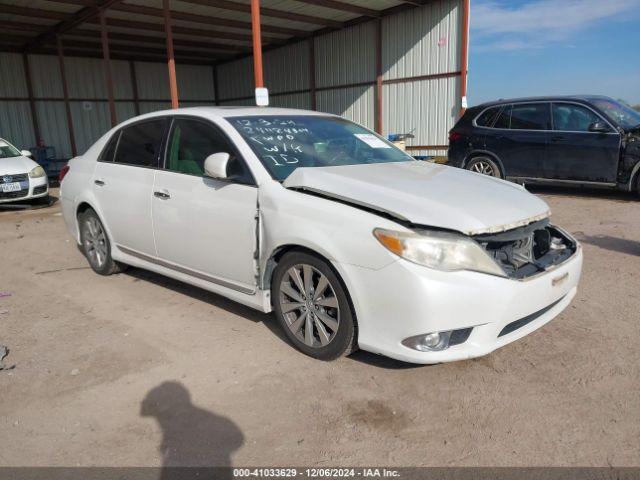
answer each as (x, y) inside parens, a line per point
(349, 241)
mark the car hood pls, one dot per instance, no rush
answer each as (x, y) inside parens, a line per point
(426, 194)
(13, 165)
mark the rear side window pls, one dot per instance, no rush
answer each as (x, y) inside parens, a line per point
(573, 118)
(504, 120)
(531, 116)
(140, 144)
(109, 151)
(487, 117)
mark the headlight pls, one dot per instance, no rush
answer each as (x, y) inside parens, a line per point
(37, 172)
(444, 251)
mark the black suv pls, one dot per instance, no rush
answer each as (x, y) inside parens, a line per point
(588, 140)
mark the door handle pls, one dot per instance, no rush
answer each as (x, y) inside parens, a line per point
(557, 138)
(162, 195)
(100, 183)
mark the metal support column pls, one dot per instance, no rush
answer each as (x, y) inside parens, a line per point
(65, 94)
(171, 62)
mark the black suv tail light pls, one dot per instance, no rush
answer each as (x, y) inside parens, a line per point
(453, 136)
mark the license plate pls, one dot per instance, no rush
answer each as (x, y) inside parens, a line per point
(10, 187)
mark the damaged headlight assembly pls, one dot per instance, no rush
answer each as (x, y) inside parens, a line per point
(444, 251)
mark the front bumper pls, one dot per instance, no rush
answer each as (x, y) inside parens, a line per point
(402, 300)
(31, 188)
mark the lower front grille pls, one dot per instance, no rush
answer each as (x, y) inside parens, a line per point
(529, 250)
(18, 194)
(39, 190)
(513, 326)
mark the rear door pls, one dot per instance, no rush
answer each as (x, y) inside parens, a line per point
(575, 153)
(203, 226)
(123, 184)
(523, 133)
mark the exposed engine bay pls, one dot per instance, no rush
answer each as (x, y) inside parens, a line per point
(526, 251)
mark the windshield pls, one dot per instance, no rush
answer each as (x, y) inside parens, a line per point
(619, 113)
(284, 143)
(7, 150)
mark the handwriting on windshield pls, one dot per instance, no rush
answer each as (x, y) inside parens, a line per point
(278, 140)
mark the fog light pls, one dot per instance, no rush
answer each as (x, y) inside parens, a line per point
(430, 342)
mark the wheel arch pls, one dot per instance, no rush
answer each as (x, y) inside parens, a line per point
(485, 153)
(84, 205)
(634, 179)
(282, 250)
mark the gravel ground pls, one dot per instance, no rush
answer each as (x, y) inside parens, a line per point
(137, 369)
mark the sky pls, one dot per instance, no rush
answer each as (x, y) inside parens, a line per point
(554, 47)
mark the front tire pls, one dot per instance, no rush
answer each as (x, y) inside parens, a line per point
(312, 307)
(95, 244)
(485, 166)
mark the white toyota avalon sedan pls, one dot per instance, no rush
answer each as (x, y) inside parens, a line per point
(20, 177)
(349, 241)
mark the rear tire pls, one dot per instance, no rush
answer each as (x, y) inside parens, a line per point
(312, 307)
(95, 244)
(485, 166)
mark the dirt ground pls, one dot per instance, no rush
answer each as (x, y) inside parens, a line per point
(137, 369)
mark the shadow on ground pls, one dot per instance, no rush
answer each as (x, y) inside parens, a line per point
(208, 297)
(268, 320)
(29, 204)
(584, 192)
(607, 242)
(191, 436)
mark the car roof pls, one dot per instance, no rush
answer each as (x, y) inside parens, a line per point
(226, 112)
(576, 98)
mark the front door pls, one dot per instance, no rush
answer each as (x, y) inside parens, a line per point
(575, 153)
(123, 183)
(205, 227)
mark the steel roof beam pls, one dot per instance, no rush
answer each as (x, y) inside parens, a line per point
(267, 12)
(72, 21)
(240, 7)
(204, 19)
(197, 32)
(343, 7)
(90, 53)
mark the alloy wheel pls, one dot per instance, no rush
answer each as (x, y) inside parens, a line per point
(482, 167)
(95, 242)
(309, 305)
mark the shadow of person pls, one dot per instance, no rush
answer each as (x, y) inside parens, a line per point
(191, 436)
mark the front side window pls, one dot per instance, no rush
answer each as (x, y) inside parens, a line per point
(140, 143)
(284, 143)
(619, 113)
(573, 118)
(192, 141)
(7, 150)
(530, 116)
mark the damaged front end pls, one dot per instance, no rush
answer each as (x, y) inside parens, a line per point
(527, 251)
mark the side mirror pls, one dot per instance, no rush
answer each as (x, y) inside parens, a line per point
(599, 127)
(215, 165)
(26, 153)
